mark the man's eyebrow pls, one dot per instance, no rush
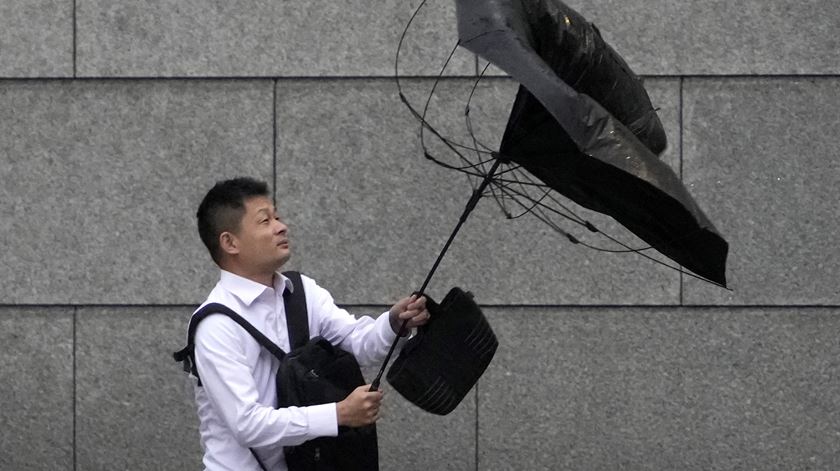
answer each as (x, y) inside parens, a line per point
(267, 211)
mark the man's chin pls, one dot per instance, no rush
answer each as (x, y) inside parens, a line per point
(282, 261)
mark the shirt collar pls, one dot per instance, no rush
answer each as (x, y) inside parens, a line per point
(248, 290)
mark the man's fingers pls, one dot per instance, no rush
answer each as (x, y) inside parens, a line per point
(417, 320)
(402, 305)
(414, 313)
(417, 305)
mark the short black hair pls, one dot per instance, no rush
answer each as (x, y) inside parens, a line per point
(222, 209)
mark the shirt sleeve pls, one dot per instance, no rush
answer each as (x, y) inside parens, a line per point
(368, 339)
(230, 386)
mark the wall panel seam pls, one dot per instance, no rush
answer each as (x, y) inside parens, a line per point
(484, 306)
(274, 141)
(477, 425)
(391, 77)
(680, 125)
(75, 69)
(75, 347)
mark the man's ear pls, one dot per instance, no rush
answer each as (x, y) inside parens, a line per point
(229, 243)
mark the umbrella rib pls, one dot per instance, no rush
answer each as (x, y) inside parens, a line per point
(558, 202)
(429, 101)
(574, 240)
(422, 117)
(463, 170)
(539, 215)
(467, 117)
(574, 217)
(531, 199)
(537, 205)
(452, 145)
(535, 202)
(628, 249)
(500, 200)
(477, 143)
(580, 221)
(423, 123)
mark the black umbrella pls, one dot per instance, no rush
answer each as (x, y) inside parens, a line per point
(561, 131)
(582, 126)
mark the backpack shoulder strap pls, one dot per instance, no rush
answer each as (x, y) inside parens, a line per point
(297, 319)
(187, 354)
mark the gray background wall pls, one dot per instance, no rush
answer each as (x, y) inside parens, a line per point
(116, 117)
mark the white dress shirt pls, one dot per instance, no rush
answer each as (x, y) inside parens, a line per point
(238, 393)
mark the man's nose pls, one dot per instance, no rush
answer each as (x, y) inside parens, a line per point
(280, 228)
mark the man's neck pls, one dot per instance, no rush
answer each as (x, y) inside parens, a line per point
(263, 278)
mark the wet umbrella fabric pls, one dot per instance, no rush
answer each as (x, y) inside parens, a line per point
(583, 124)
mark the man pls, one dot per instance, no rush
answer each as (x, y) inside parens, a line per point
(240, 227)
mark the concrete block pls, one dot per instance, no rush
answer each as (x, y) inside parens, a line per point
(36, 393)
(101, 181)
(661, 388)
(760, 154)
(754, 37)
(368, 214)
(292, 38)
(36, 38)
(663, 37)
(134, 405)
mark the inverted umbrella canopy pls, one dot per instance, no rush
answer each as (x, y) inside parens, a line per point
(583, 124)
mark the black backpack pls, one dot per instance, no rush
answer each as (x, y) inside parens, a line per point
(314, 372)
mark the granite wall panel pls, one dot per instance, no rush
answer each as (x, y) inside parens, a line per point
(36, 38)
(174, 38)
(687, 37)
(661, 388)
(36, 392)
(297, 38)
(760, 155)
(368, 214)
(101, 182)
(134, 405)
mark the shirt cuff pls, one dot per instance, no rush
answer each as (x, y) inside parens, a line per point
(386, 333)
(323, 420)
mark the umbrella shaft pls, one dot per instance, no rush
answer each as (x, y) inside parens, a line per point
(471, 204)
(476, 195)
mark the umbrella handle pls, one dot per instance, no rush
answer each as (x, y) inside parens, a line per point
(471, 204)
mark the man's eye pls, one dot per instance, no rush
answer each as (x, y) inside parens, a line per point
(264, 221)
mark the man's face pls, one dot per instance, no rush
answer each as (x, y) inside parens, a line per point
(264, 242)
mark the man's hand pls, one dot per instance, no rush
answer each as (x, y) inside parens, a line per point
(411, 309)
(360, 408)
